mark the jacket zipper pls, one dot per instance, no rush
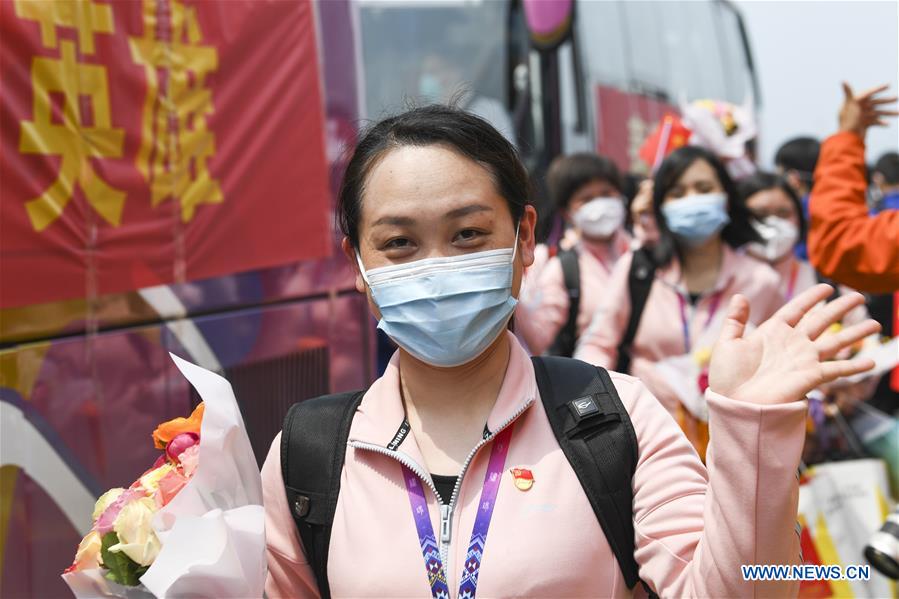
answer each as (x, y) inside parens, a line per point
(446, 510)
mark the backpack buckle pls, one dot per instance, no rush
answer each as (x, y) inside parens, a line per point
(301, 506)
(583, 407)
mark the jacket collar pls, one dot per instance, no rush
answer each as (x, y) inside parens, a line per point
(381, 414)
(607, 252)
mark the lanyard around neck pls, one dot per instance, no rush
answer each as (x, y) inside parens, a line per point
(685, 321)
(791, 283)
(428, 541)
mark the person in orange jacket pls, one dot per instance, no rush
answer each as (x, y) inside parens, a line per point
(846, 244)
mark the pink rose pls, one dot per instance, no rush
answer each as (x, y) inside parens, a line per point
(107, 519)
(176, 446)
(189, 460)
(169, 486)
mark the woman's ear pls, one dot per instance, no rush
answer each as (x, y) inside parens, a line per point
(526, 235)
(350, 252)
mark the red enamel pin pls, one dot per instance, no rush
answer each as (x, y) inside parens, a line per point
(523, 478)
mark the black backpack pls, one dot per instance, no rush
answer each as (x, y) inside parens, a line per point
(639, 282)
(591, 424)
(566, 340)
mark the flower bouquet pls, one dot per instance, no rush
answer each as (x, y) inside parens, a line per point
(191, 525)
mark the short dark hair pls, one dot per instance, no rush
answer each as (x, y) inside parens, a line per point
(435, 124)
(762, 181)
(736, 233)
(799, 154)
(888, 166)
(569, 173)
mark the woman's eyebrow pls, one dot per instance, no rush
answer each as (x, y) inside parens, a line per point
(399, 221)
(466, 210)
(405, 221)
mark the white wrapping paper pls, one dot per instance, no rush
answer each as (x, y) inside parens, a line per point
(212, 532)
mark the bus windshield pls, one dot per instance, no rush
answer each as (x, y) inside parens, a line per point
(436, 51)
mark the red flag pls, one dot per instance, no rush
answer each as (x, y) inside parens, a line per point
(669, 135)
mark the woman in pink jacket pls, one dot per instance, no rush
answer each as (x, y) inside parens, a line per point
(702, 226)
(586, 190)
(436, 213)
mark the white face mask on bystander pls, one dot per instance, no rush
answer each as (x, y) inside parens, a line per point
(779, 236)
(600, 217)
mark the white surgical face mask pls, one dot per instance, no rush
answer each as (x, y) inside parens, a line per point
(779, 236)
(445, 311)
(600, 217)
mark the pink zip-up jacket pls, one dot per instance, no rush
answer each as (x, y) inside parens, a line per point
(694, 527)
(543, 309)
(660, 333)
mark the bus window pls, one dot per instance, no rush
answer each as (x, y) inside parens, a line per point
(701, 55)
(446, 50)
(683, 51)
(737, 72)
(602, 42)
(646, 55)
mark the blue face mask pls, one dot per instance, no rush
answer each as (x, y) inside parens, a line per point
(695, 218)
(445, 311)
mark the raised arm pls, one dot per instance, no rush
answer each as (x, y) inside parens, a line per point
(845, 242)
(695, 528)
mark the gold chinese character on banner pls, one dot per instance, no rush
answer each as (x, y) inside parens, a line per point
(84, 130)
(176, 145)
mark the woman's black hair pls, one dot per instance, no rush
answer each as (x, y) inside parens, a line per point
(762, 181)
(736, 233)
(435, 124)
(567, 174)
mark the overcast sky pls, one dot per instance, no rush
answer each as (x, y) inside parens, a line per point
(804, 48)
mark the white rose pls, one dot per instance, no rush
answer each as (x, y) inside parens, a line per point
(134, 528)
(105, 501)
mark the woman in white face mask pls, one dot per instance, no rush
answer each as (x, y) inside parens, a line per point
(559, 300)
(698, 270)
(448, 477)
(779, 221)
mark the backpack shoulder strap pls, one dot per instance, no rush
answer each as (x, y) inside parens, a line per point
(639, 282)
(313, 449)
(596, 435)
(567, 338)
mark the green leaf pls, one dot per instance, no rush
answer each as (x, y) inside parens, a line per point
(122, 569)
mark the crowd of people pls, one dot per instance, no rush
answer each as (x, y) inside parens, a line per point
(661, 473)
(700, 235)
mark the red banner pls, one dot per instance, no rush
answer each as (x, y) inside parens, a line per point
(153, 141)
